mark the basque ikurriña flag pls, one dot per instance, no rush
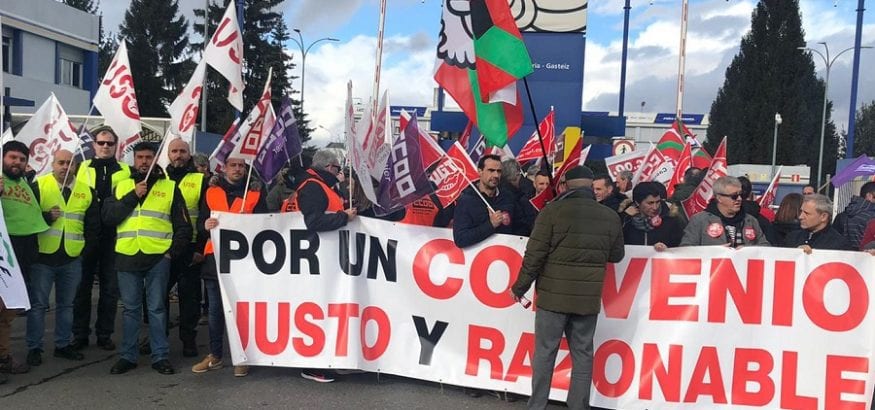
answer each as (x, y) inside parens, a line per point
(481, 55)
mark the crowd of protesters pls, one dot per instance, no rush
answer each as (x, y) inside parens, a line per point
(139, 230)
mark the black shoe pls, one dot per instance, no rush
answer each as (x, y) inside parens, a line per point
(163, 367)
(105, 343)
(69, 353)
(189, 349)
(122, 366)
(79, 344)
(34, 357)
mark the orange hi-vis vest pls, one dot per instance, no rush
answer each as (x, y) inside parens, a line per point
(217, 200)
(420, 212)
(335, 202)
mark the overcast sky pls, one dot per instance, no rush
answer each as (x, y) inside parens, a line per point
(715, 31)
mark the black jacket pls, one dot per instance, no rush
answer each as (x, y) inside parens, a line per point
(827, 238)
(232, 192)
(753, 209)
(313, 203)
(669, 232)
(92, 228)
(471, 223)
(615, 201)
(103, 170)
(176, 174)
(115, 211)
(782, 229)
(525, 212)
(852, 222)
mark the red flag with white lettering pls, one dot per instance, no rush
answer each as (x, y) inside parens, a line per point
(768, 197)
(453, 174)
(684, 163)
(698, 201)
(532, 149)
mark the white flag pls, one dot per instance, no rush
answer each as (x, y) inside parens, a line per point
(183, 113)
(117, 101)
(257, 126)
(48, 130)
(225, 54)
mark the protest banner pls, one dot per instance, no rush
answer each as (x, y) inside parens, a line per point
(687, 328)
(12, 289)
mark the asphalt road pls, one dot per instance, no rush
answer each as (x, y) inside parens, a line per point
(64, 384)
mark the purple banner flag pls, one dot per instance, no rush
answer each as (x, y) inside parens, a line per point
(226, 145)
(404, 179)
(283, 143)
(862, 166)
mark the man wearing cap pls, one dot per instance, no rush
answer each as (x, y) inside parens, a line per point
(185, 270)
(102, 174)
(723, 222)
(70, 207)
(152, 227)
(573, 239)
(24, 221)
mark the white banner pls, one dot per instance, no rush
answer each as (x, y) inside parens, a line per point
(697, 328)
(117, 101)
(225, 54)
(12, 289)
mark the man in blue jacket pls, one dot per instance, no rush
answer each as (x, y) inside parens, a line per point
(473, 221)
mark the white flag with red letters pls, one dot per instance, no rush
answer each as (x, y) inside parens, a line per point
(47, 131)
(117, 101)
(224, 53)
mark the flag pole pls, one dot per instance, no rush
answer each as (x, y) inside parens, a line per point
(538, 130)
(204, 85)
(682, 56)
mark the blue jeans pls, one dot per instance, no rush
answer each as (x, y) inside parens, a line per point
(131, 286)
(66, 279)
(215, 318)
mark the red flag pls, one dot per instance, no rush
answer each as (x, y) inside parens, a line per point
(768, 197)
(698, 201)
(532, 149)
(684, 163)
(453, 174)
(540, 200)
(701, 158)
(575, 157)
(660, 161)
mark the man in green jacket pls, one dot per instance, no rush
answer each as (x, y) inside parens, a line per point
(573, 239)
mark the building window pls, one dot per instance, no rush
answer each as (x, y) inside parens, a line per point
(7, 54)
(71, 73)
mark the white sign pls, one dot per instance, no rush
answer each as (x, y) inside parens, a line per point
(12, 289)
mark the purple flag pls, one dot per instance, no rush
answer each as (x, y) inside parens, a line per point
(283, 143)
(862, 166)
(404, 179)
(226, 145)
(478, 149)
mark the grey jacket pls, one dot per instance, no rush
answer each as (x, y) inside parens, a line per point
(697, 231)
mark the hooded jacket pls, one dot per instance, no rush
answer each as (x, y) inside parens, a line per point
(852, 222)
(709, 227)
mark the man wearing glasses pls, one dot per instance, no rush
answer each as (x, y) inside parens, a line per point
(102, 174)
(723, 222)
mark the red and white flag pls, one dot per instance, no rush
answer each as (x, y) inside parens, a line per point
(368, 145)
(257, 126)
(698, 201)
(532, 149)
(629, 161)
(685, 161)
(183, 113)
(575, 157)
(768, 197)
(224, 53)
(48, 130)
(117, 101)
(454, 172)
(226, 145)
(466, 134)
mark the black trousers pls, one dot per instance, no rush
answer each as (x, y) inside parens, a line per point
(100, 262)
(187, 277)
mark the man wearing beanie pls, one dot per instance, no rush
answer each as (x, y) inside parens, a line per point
(648, 222)
(573, 239)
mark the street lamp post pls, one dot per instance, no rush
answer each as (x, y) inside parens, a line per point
(828, 63)
(304, 50)
(778, 122)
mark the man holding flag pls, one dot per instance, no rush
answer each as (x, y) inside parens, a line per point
(483, 210)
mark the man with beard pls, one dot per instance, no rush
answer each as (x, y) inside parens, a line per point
(723, 222)
(473, 221)
(24, 220)
(152, 227)
(648, 222)
(226, 196)
(185, 270)
(817, 232)
(102, 174)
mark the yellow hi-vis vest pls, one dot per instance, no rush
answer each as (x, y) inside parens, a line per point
(148, 229)
(190, 186)
(71, 224)
(88, 175)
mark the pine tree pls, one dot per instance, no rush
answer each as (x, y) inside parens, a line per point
(88, 6)
(864, 130)
(771, 75)
(157, 38)
(108, 46)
